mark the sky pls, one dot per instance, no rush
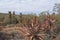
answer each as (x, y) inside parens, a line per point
(35, 6)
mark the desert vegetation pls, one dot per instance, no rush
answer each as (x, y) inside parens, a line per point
(30, 26)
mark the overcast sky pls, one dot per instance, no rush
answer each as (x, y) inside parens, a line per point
(27, 5)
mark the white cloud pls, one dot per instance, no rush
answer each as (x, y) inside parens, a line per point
(26, 5)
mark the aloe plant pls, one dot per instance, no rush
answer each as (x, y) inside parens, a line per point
(32, 30)
(10, 17)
